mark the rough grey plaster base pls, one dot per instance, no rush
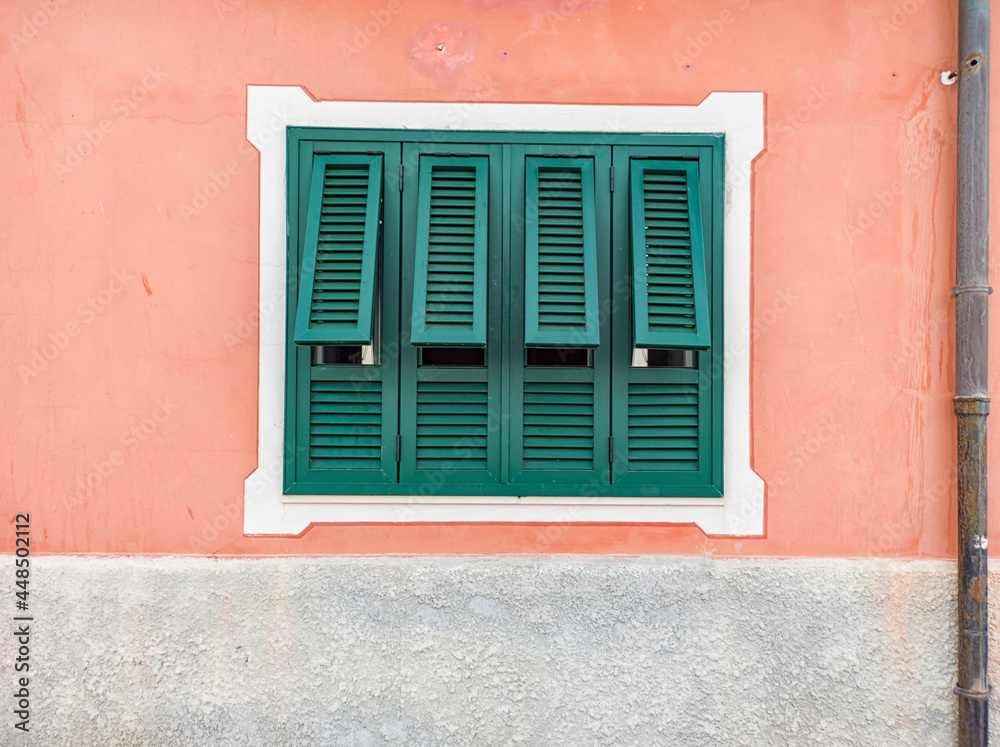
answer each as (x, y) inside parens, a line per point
(487, 651)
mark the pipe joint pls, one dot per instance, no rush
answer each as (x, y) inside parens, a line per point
(975, 405)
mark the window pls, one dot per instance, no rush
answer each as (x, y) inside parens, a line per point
(481, 326)
(503, 313)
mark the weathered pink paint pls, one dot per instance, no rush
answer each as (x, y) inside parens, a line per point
(444, 49)
(128, 251)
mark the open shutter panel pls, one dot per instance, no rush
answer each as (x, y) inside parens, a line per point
(669, 294)
(561, 308)
(337, 284)
(449, 293)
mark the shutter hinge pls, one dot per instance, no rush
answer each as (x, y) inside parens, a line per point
(611, 449)
(612, 179)
(400, 177)
(399, 447)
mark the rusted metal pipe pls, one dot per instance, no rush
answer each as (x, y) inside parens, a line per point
(972, 402)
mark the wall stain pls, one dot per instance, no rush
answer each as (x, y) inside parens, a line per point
(22, 125)
(559, 7)
(443, 49)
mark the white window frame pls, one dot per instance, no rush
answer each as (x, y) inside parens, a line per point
(739, 116)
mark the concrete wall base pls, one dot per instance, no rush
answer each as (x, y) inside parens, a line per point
(487, 651)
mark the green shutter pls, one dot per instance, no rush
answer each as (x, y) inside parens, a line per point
(337, 284)
(667, 421)
(559, 414)
(342, 421)
(345, 425)
(455, 264)
(558, 423)
(561, 307)
(452, 428)
(670, 299)
(449, 293)
(662, 426)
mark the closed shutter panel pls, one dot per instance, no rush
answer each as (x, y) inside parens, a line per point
(450, 434)
(452, 428)
(337, 284)
(345, 424)
(561, 307)
(662, 425)
(664, 430)
(449, 293)
(670, 301)
(558, 427)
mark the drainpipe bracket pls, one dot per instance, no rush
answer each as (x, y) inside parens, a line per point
(973, 694)
(972, 289)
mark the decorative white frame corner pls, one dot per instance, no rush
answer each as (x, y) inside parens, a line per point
(740, 116)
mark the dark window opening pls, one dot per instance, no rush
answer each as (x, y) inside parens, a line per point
(334, 355)
(665, 358)
(559, 357)
(452, 356)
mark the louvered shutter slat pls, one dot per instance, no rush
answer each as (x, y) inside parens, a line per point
(670, 298)
(561, 306)
(558, 426)
(337, 283)
(345, 425)
(452, 425)
(662, 427)
(449, 294)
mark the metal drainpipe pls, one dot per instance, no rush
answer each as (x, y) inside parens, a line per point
(972, 402)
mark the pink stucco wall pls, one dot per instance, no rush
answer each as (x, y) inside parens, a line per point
(128, 250)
